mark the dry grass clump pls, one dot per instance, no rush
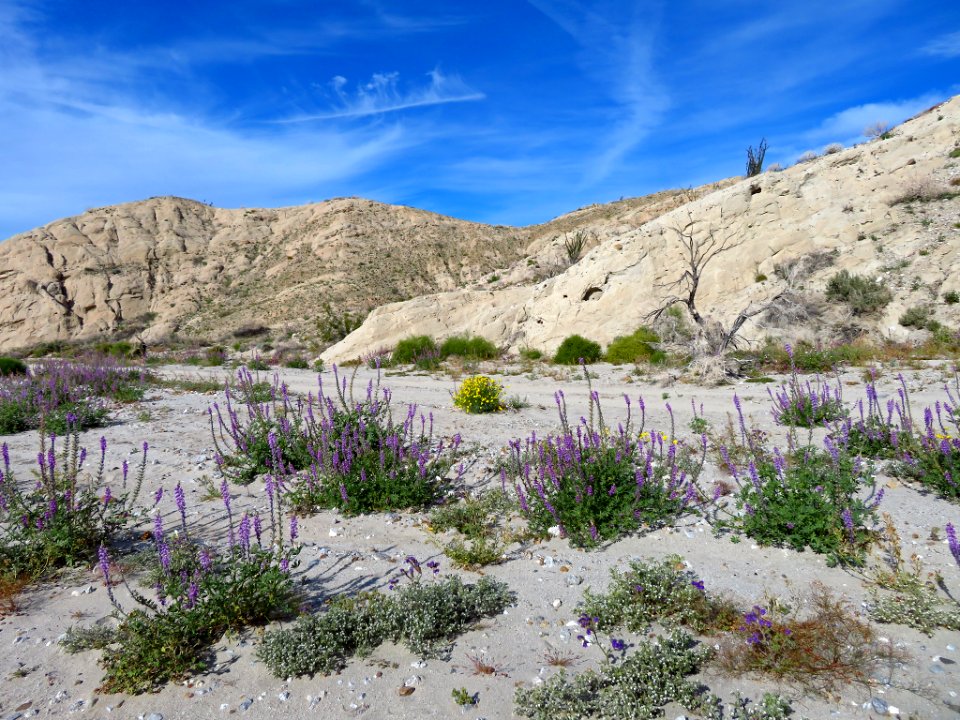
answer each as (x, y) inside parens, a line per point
(827, 648)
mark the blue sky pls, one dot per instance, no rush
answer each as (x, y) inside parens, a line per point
(503, 111)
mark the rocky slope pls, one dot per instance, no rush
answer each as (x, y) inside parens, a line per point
(174, 266)
(789, 231)
(170, 264)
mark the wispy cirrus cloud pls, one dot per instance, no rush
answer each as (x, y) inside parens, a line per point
(945, 46)
(848, 125)
(383, 94)
(617, 42)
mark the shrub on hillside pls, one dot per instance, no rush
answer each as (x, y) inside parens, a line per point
(635, 348)
(864, 295)
(479, 394)
(576, 348)
(411, 349)
(471, 348)
(918, 317)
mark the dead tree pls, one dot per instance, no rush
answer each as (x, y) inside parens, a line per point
(698, 252)
(699, 249)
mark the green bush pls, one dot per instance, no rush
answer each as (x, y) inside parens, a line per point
(664, 592)
(636, 348)
(12, 366)
(919, 318)
(576, 348)
(531, 354)
(296, 362)
(470, 348)
(864, 295)
(952, 297)
(424, 617)
(411, 349)
(121, 349)
(651, 677)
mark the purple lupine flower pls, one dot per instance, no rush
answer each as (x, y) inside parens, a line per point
(434, 566)
(848, 523)
(206, 562)
(285, 564)
(157, 496)
(193, 591)
(293, 528)
(158, 529)
(244, 532)
(107, 496)
(698, 584)
(257, 527)
(593, 532)
(617, 644)
(952, 542)
(343, 493)
(164, 552)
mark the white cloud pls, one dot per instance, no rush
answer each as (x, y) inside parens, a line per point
(616, 52)
(847, 126)
(947, 46)
(382, 94)
(89, 129)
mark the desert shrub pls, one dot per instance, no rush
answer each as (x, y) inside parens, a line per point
(871, 431)
(479, 394)
(12, 366)
(952, 297)
(635, 348)
(59, 393)
(334, 324)
(832, 149)
(864, 295)
(663, 592)
(210, 357)
(917, 317)
(409, 350)
(901, 595)
(296, 362)
(531, 354)
(478, 522)
(651, 677)
(352, 454)
(62, 519)
(201, 594)
(423, 616)
(828, 647)
(120, 349)
(249, 331)
(257, 364)
(806, 404)
(931, 456)
(923, 190)
(575, 349)
(470, 348)
(592, 484)
(807, 499)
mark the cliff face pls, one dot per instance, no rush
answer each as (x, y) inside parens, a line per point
(792, 230)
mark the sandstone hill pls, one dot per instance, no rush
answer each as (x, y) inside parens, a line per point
(169, 266)
(889, 209)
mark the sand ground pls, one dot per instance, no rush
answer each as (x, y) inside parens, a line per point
(348, 554)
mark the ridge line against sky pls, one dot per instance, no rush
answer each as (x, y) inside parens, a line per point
(508, 113)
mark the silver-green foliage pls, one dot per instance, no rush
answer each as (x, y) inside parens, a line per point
(422, 616)
(637, 689)
(915, 604)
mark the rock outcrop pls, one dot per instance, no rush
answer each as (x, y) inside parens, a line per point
(791, 229)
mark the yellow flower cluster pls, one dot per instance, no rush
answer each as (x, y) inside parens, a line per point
(479, 394)
(645, 437)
